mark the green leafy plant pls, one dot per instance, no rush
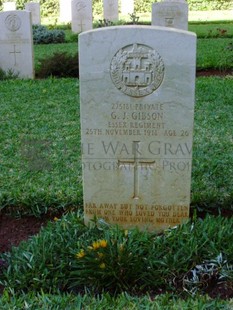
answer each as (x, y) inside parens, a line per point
(134, 18)
(104, 23)
(143, 6)
(199, 278)
(69, 255)
(123, 301)
(228, 59)
(10, 74)
(217, 33)
(41, 35)
(59, 65)
(97, 7)
(71, 37)
(196, 5)
(115, 263)
(230, 46)
(43, 263)
(51, 7)
(48, 7)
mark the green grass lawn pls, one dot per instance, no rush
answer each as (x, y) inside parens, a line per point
(40, 143)
(105, 301)
(214, 48)
(212, 30)
(214, 53)
(40, 158)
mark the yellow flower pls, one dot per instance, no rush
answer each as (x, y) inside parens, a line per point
(101, 255)
(56, 219)
(103, 243)
(126, 233)
(80, 254)
(95, 245)
(121, 247)
(102, 266)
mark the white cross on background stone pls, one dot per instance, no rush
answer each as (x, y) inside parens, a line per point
(135, 162)
(15, 52)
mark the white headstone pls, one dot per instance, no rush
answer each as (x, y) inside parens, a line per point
(137, 108)
(127, 7)
(65, 11)
(16, 52)
(81, 15)
(110, 8)
(9, 6)
(170, 13)
(34, 8)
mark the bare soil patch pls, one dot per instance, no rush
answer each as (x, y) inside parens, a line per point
(213, 72)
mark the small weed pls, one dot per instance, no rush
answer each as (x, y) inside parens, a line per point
(104, 23)
(10, 74)
(221, 32)
(217, 33)
(230, 46)
(202, 276)
(134, 18)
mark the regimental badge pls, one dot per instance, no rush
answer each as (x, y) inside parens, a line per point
(80, 5)
(137, 70)
(13, 22)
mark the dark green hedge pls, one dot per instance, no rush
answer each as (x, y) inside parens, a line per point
(194, 5)
(51, 7)
(48, 7)
(203, 5)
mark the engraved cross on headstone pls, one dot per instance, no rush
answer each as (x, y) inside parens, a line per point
(15, 52)
(81, 24)
(135, 162)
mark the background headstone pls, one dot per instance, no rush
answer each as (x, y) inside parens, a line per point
(34, 8)
(16, 43)
(81, 15)
(65, 11)
(170, 13)
(127, 7)
(137, 108)
(9, 6)
(110, 8)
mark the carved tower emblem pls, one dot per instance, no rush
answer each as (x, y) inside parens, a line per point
(13, 22)
(137, 70)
